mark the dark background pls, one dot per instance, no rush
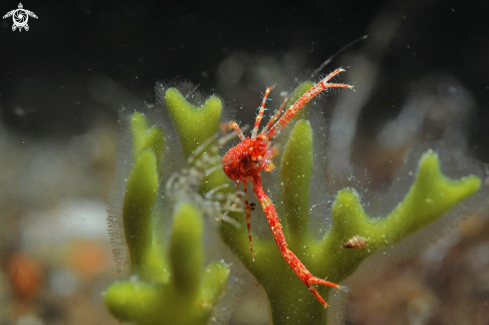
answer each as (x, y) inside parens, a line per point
(58, 138)
(45, 70)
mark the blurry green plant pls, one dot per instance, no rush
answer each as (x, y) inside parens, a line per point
(181, 292)
(168, 286)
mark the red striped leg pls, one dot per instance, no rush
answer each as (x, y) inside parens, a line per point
(260, 112)
(235, 126)
(276, 115)
(307, 96)
(295, 264)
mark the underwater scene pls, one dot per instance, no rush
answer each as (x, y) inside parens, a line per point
(252, 163)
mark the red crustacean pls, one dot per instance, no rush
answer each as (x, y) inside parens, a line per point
(244, 162)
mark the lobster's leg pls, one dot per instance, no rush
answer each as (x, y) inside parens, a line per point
(307, 96)
(260, 112)
(295, 264)
(235, 126)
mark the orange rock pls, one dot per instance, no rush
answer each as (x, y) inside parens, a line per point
(88, 259)
(25, 275)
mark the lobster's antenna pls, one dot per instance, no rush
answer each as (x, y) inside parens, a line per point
(328, 60)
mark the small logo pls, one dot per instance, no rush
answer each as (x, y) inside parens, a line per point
(20, 17)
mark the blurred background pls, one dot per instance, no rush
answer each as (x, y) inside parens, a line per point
(421, 76)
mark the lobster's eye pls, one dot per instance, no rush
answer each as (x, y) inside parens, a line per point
(257, 159)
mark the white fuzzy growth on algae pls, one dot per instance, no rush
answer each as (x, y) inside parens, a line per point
(185, 185)
(123, 166)
(179, 184)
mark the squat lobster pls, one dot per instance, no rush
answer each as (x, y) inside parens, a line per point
(243, 163)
